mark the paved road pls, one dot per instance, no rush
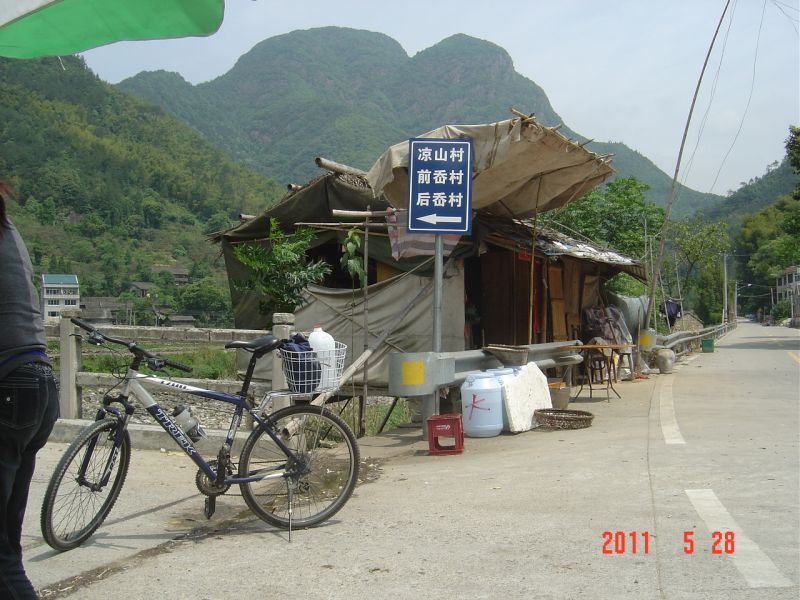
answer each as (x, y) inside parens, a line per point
(711, 448)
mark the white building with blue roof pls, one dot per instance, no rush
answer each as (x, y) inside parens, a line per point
(59, 291)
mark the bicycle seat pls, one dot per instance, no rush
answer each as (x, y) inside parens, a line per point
(261, 345)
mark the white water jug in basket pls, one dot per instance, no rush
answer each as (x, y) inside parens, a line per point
(324, 345)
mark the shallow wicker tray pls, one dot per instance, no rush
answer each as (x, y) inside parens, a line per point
(509, 356)
(554, 418)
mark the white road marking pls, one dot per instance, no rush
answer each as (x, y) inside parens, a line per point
(751, 562)
(669, 424)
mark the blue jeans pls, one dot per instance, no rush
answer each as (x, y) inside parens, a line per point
(28, 411)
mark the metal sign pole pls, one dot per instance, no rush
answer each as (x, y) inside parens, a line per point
(430, 405)
(439, 202)
(438, 283)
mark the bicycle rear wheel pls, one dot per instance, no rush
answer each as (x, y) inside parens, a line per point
(76, 503)
(322, 482)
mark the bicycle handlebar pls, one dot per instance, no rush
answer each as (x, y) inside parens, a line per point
(83, 324)
(177, 365)
(130, 346)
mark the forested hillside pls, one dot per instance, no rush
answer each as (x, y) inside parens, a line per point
(768, 240)
(348, 94)
(110, 186)
(755, 195)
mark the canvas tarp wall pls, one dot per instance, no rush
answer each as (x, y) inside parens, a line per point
(520, 167)
(313, 203)
(341, 313)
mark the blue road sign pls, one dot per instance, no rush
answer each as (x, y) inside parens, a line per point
(440, 186)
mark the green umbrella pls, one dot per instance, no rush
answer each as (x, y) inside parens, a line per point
(33, 28)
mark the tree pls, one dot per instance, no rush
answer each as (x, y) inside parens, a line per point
(698, 245)
(280, 271)
(770, 241)
(793, 147)
(782, 310)
(205, 299)
(709, 301)
(616, 215)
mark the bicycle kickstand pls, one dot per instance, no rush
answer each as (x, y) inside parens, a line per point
(290, 494)
(211, 506)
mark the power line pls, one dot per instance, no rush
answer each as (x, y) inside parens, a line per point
(711, 96)
(789, 6)
(793, 20)
(749, 97)
(671, 197)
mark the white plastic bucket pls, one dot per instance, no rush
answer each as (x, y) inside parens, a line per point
(503, 374)
(481, 405)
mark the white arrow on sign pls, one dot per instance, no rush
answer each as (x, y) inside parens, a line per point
(435, 219)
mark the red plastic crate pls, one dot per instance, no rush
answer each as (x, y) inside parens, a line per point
(445, 426)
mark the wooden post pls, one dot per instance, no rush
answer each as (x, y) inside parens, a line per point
(70, 349)
(362, 405)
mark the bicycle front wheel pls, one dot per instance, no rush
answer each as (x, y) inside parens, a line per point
(77, 501)
(322, 480)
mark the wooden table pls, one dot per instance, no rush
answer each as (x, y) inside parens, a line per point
(606, 351)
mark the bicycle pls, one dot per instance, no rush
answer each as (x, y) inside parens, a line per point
(296, 469)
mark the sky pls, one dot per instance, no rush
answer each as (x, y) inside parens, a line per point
(620, 71)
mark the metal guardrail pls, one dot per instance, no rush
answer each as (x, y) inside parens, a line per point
(685, 341)
(422, 373)
(546, 356)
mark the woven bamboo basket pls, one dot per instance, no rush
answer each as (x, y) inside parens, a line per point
(554, 418)
(509, 356)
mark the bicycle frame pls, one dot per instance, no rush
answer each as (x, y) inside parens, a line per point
(133, 384)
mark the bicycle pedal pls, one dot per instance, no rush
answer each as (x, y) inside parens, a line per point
(211, 506)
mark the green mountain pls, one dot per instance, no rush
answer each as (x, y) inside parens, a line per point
(348, 94)
(754, 195)
(110, 186)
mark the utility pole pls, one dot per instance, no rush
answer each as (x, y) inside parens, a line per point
(725, 287)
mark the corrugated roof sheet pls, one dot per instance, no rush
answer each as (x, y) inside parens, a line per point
(555, 243)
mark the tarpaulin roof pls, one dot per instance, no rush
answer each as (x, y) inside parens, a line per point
(315, 201)
(520, 167)
(34, 28)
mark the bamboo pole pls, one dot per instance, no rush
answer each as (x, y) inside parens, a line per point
(361, 214)
(525, 118)
(671, 197)
(362, 407)
(338, 225)
(331, 165)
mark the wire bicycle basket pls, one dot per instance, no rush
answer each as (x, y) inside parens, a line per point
(309, 372)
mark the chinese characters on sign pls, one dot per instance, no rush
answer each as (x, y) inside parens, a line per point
(440, 186)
